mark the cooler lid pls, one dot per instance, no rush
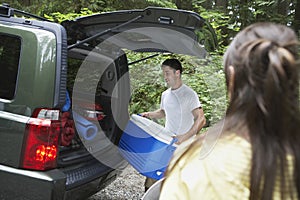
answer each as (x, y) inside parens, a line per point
(155, 130)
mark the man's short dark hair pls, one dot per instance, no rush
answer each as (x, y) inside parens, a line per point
(173, 63)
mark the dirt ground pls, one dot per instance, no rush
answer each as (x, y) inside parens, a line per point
(128, 186)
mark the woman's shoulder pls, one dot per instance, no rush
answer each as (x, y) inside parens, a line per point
(214, 173)
(228, 150)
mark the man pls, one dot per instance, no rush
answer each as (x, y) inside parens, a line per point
(180, 106)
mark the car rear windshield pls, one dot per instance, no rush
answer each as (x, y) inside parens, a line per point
(10, 47)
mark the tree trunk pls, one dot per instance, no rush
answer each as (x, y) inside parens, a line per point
(283, 7)
(25, 2)
(296, 22)
(244, 13)
(208, 4)
(221, 4)
(184, 4)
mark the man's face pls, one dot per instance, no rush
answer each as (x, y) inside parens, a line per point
(171, 76)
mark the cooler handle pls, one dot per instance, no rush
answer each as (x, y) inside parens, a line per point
(171, 144)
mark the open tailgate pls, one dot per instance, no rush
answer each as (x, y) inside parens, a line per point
(150, 30)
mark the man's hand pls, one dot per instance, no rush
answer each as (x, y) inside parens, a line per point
(199, 122)
(145, 114)
(181, 138)
(158, 114)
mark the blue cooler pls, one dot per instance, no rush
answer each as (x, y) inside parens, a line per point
(147, 146)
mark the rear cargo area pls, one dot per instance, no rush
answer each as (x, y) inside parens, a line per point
(93, 117)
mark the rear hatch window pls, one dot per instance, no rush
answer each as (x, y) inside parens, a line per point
(10, 47)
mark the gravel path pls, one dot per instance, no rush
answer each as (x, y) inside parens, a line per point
(128, 186)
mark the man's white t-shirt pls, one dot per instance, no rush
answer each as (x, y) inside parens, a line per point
(178, 106)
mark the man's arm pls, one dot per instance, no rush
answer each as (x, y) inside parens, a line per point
(158, 114)
(199, 122)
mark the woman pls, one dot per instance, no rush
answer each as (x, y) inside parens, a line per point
(257, 156)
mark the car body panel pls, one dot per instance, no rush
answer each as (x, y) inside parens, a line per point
(33, 68)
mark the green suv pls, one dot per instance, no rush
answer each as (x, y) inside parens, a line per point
(65, 91)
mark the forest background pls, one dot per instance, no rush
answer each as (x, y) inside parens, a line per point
(205, 76)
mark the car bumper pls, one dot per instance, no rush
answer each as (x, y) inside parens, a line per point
(34, 185)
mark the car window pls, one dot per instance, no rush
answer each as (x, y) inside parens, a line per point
(10, 47)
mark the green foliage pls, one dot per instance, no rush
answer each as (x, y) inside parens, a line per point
(146, 82)
(268, 11)
(205, 76)
(59, 17)
(229, 20)
(218, 20)
(162, 3)
(138, 4)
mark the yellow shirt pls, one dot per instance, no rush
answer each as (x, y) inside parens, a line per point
(223, 174)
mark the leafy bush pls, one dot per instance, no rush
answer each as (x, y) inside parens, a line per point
(205, 76)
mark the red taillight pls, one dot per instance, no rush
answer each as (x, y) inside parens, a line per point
(44, 152)
(40, 147)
